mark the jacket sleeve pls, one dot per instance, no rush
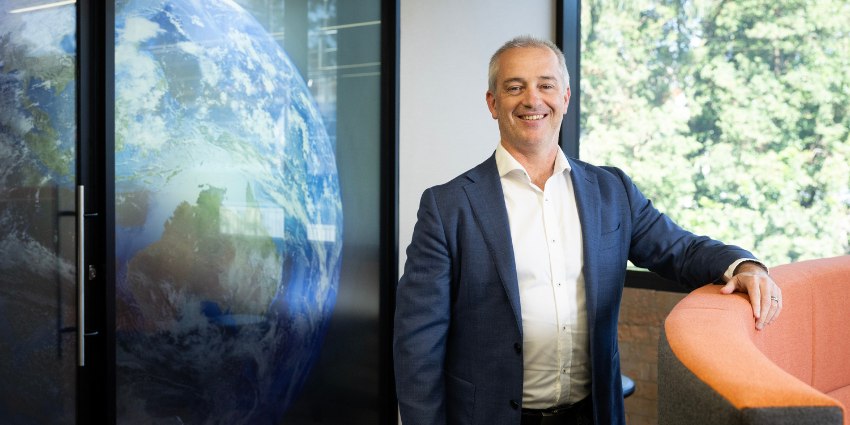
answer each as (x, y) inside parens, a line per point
(660, 245)
(422, 320)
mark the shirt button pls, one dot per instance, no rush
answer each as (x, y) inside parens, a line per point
(564, 371)
(518, 348)
(514, 405)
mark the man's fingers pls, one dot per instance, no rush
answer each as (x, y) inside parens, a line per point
(764, 290)
(730, 286)
(778, 303)
(760, 289)
(771, 313)
(755, 300)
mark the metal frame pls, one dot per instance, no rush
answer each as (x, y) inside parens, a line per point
(390, 41)
(568, 38)
(96, 402)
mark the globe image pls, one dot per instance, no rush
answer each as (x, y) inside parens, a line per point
(228, 217)
(37, 163)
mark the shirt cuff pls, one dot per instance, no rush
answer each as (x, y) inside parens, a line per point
(729, 272)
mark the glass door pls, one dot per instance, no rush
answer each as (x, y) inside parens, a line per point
(217, 144)
(38, 255)
(247, 220)
(228, 214)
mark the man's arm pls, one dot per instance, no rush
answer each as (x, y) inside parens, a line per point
(422, 320)
(660, 245)
(663, 247)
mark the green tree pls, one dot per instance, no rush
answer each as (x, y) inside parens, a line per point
(732, 116)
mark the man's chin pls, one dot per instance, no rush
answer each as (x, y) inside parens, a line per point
(531, 141)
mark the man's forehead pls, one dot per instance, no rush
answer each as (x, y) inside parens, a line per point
(542, 52)
(520, 61)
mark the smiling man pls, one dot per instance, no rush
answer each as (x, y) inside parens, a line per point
(507, 309)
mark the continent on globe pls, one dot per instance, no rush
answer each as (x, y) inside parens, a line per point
(51, 71)
(195, 263)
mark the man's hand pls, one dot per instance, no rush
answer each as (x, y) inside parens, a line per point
(765, 295)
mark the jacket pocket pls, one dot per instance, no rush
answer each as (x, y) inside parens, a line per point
(611, 238)
(460, 400)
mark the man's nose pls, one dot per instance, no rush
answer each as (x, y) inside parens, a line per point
(532, 98)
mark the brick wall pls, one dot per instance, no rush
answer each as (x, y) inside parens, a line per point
(642, 313)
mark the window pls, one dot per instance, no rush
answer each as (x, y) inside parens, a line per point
(732, 117)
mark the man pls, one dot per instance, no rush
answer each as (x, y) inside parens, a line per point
(507, 309)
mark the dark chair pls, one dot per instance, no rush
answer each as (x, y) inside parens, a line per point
(628, 386)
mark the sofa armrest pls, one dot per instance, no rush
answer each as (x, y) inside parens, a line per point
(710, 371)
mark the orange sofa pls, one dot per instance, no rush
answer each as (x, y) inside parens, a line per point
(715, 368)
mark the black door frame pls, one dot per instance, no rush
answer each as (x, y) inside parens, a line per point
(96, 171)
(390, 42)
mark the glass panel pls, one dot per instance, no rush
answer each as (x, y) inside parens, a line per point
(229, 208)
(731, 116)
(37, 230)
(343, 62)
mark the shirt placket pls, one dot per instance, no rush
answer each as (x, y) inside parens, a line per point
(551, 223)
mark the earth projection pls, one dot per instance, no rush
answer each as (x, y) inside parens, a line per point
(37, 163)
(228, 217)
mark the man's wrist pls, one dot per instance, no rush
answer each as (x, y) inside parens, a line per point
(751, 266)
(736, 268)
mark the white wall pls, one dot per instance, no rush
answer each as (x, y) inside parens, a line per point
(445, 126)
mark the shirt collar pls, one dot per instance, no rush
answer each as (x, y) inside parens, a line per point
(506, 163)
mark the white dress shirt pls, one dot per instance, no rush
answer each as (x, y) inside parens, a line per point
(547, 245)
(546, 235)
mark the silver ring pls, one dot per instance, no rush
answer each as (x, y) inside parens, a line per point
(772, 298)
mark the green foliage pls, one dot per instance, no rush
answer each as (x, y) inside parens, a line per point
(731, 116)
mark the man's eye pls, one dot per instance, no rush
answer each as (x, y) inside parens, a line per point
(514, 89)
(548, 87)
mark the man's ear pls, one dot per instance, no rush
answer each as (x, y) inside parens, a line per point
(566, 100)
(491, 103)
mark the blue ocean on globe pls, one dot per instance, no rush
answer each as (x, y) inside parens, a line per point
(228, 217)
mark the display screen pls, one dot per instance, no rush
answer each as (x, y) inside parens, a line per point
(247, 146)
(38, 159)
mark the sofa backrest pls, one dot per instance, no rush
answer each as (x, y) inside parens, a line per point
(813, 341)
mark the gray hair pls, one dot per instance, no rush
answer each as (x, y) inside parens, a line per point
(526, 41)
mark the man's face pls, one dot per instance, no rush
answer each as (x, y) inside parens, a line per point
(530, 101)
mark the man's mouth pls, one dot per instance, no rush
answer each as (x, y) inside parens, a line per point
(531, 117)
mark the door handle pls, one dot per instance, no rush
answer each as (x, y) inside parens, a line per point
(81, 276)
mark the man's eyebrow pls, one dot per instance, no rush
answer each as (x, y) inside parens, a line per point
(513, 80)
(522, 80)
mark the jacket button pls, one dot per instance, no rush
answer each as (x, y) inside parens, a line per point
(514, 404)
(518, 348)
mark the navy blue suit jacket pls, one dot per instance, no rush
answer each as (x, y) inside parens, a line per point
(458, 329)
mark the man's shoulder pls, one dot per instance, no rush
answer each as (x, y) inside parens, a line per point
(603, 173)
(486, 169)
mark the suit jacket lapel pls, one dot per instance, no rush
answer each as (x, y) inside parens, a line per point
(488, 205)
(587, 201)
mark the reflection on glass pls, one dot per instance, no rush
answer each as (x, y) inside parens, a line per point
(37, 159)
(342, 63)
(731, 116)
(228, 212)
